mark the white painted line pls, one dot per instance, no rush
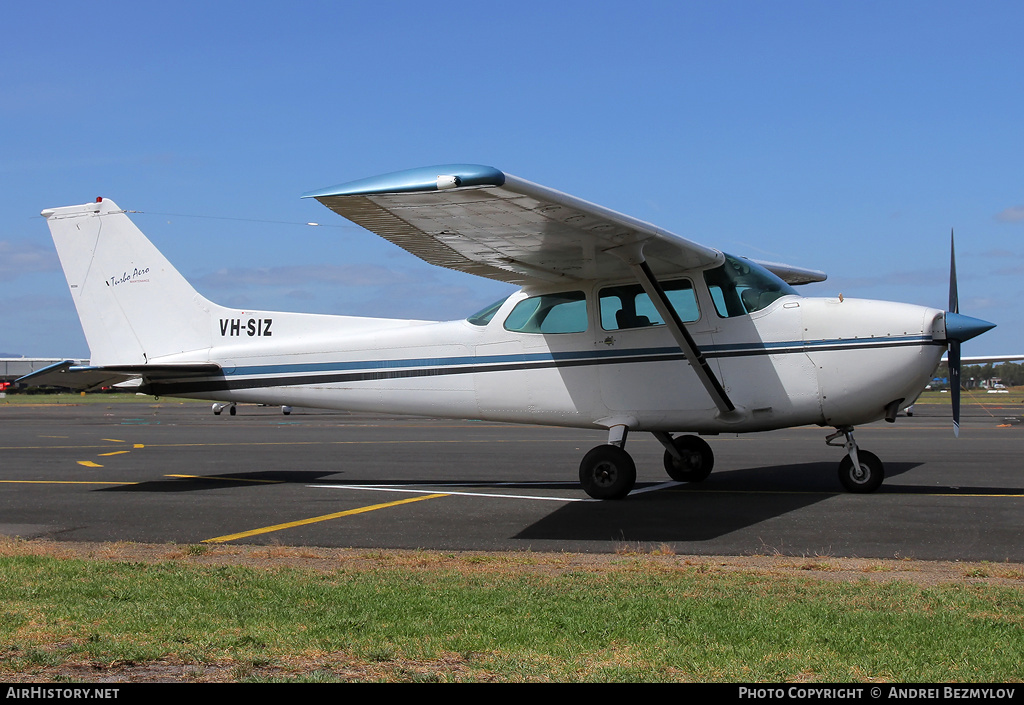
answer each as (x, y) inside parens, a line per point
(652, 488)
(391, 488)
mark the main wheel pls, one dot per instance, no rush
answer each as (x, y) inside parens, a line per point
(607, 472)
(867, 478)
(696, 462)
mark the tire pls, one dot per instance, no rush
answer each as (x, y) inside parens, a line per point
(232, 410)
(870, 477)
(607, 472)
(697, 462)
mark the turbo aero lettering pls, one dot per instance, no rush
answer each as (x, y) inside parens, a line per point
(251, 327)
(125, 277)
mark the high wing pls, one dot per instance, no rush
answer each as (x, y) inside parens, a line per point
(479, 220)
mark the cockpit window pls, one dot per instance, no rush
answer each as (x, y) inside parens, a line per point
(484, 315)
(740, 287)
(629, 306)
(550, 313)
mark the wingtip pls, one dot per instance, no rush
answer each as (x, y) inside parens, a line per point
(427, 178)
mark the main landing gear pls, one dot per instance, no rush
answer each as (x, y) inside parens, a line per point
(860, 471)
(608, 471)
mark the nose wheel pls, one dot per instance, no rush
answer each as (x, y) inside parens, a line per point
(860, 471)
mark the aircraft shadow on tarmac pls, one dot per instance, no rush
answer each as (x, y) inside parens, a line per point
(213, 481)
(805, 477)
(727, 501)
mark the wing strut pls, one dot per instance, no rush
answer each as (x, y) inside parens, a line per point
(633, 256)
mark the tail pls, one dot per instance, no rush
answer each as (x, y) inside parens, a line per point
(134, 306)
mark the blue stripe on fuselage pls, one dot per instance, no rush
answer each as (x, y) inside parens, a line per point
(729, 350)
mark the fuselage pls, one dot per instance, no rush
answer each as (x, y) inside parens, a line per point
(796, 361)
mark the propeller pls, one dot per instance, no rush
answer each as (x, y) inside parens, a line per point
(958, 329)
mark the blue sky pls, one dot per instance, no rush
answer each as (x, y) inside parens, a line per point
(844, 136)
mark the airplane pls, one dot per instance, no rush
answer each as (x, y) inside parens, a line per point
(619, 325)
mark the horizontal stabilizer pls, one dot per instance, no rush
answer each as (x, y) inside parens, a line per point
(85, 377)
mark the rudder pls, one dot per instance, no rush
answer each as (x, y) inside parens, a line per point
(134, 306)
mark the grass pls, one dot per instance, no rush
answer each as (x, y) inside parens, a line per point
(640, 619)
(968, 397)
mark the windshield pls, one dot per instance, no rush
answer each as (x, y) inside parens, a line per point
(740, 287)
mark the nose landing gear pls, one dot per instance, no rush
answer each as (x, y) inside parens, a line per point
(860, 471)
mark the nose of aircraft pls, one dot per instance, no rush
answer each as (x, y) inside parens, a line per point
(960, 327)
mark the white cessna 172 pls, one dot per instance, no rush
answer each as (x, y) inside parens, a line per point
(619, 325)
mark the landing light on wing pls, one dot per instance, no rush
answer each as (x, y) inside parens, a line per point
(445, 181)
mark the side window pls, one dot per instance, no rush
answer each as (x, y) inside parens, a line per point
(550, 313)
(629, 306)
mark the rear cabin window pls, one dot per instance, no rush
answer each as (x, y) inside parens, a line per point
(484, 315)
(550, 313)
(629, 306)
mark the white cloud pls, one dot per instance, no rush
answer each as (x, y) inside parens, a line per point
(1014, 214)
(21, 257)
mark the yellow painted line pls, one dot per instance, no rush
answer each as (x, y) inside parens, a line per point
(314, 520)
(116, 452)
(63, 482)
(112, 440)
(89, 464)
(138, 445)
(228, 479)
(229, 444)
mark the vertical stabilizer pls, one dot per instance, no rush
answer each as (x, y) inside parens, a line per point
(134, 306)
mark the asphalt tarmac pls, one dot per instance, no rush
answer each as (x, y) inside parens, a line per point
(171, 472)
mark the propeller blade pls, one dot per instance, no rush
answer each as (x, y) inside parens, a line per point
(953, 360)
(958, 329)
(954, 302)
